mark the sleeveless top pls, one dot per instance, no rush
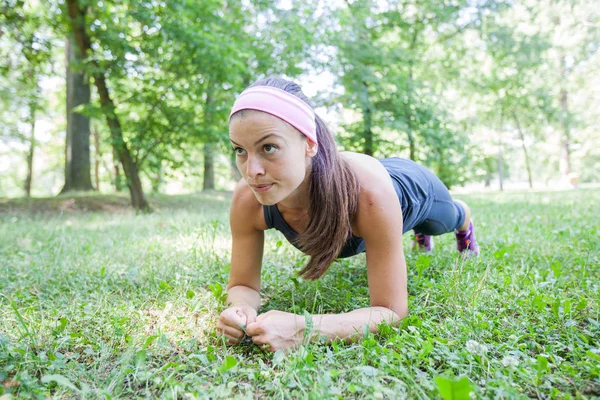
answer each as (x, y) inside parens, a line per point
(412, 184)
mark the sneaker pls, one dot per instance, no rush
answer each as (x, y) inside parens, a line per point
(422, 242)
(466, 242)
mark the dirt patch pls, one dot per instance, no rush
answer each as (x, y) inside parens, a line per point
(113, 203)
(59, 205)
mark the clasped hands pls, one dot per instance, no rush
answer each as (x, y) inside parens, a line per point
(273, 330)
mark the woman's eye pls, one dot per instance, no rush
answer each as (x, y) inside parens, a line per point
(270, 149)
(239, 151)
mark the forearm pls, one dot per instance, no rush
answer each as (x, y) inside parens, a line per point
(350, 326)
(243, 295)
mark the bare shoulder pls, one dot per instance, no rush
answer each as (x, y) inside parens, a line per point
(246, 212)
(371, 174)
(377, 199)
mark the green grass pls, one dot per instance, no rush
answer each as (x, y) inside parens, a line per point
(111, 304)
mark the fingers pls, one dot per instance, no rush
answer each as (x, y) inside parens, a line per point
(264, 343)
(263, 316)
(250, 317)
(230, 331)
(233, 335)
(232, 318)
(253, 329)
(230, 326)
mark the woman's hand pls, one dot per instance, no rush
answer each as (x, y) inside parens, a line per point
(277, 330)
(233, 322)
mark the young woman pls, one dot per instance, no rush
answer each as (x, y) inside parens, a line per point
(329, 205)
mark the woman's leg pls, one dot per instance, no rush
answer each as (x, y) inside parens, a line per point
(447, 215)
(465, 225)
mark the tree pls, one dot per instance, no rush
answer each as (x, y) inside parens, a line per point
(26, 29)
(77, 24)
(77, 146)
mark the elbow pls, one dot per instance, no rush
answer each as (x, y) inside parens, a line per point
(400, 312)
(395, 314)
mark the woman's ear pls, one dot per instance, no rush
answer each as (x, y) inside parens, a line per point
(311, 148)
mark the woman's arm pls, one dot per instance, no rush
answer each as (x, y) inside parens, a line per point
(247, 242)
(379, 223)
(243, 290)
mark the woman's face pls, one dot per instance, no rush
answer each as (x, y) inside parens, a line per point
(272, 156)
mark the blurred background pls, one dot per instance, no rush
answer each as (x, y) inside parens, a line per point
(134, 95)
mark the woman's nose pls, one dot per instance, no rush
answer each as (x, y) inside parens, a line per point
(254, 167)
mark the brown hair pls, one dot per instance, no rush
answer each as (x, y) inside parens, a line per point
(333, 192)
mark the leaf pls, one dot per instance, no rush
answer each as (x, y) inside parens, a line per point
(190, 294)
(556, 268)
(278, 357)
(423, 262)
(454, 388)
(230, 362)
(63, 324)
(140, 358)
(541, 365)
(149, 341)
(60, 380)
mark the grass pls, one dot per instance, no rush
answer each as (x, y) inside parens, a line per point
(98, 302)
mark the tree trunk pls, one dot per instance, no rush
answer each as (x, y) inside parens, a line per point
(524, 150)
(208, 151)
(117, 171)
(209, 167)
(411, 144)
(77, 149)
(97, 157)
(138, 199)
(500, 169)
(566, 141)
(157, 179)
(233, 169)
(368, 122)
(409, 90)
(28, 179)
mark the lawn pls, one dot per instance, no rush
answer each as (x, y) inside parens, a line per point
(98, 302)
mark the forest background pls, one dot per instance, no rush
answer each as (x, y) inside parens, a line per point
(106, 95)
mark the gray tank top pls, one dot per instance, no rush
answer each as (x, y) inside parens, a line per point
(412, 185)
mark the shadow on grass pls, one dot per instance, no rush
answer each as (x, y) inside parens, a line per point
(119, 203)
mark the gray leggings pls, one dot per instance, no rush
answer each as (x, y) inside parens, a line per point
(445, 215)
(427, 206)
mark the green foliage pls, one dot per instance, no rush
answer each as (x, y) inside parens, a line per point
(448, 84)
(454, 388)
(175, 67)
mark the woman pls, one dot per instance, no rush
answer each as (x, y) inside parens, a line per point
(329, 205)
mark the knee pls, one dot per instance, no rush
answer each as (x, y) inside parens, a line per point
(465, 207)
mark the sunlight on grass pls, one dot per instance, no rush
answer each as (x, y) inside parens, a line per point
(105, 305)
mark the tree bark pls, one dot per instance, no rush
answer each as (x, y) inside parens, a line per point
(138, 199)
(368, 122)
(157, 179)
(77, 148)
(30, 153)
(97, 157)
(209, 167)
(118, 183)
(409, 90)
(566, 141)
(524, 150)
(500, 169)
(233, 169)
(208, 151)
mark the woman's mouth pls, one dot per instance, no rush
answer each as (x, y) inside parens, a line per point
(261, 188)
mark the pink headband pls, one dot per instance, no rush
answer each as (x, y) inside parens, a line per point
(281, 104)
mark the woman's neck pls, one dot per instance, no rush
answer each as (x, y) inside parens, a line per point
(298, 202)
